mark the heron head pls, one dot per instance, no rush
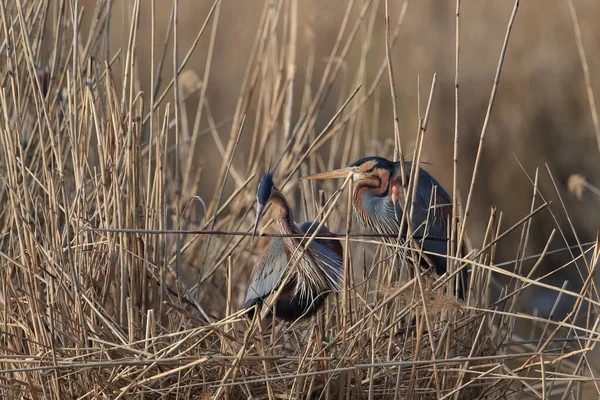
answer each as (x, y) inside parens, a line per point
(363, 169)
(266, 186)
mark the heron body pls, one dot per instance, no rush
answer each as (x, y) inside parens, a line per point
(378, 202)
(319, 269)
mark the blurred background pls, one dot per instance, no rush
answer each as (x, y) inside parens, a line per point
(541, 117)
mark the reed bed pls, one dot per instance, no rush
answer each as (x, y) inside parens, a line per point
(120, 281)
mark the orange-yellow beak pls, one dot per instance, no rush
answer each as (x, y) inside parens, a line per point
(336, 173)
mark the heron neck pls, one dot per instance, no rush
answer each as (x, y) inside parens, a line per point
(285, 214)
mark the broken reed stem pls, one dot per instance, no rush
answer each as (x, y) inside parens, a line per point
(454, 220)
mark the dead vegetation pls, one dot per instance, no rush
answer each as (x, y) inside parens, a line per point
(121, 281)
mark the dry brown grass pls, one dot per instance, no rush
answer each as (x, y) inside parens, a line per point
(122, 281)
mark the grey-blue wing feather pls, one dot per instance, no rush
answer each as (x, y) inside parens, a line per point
(271, 268)
(439, 221)
(439, 216)
(331, 264)
(274, 264)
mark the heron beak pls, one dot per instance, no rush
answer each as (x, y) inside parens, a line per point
(259, 213)
(336, 173)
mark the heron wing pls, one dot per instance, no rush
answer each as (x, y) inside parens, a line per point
(329, 263)
(427, 221)
(439, 219)
(327, 259)
(274, 263)
(268, 273)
